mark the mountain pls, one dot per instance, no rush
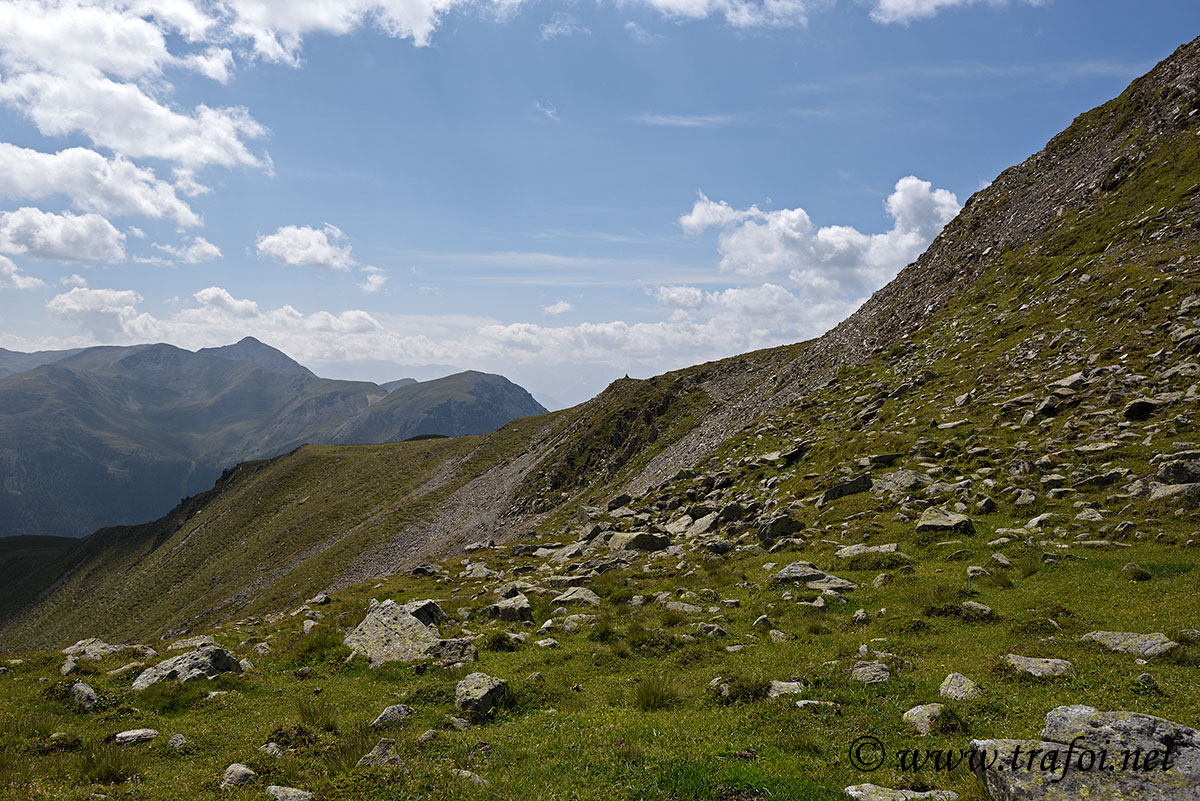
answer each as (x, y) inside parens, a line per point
(15, 362)
(399, 382)
(113, 435)
(981, 489)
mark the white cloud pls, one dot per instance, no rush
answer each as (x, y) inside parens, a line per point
(548, 110)
(559, 307)
(200, 250)
(738, 13)
(832, 264)
(686, 120)
(374, 281)
(214, 297)
(104, 313)
(679, 297)
(11, 277)
(111, 186)
(66, 237)
(276, 29)
(97, 69)
(639, 34)
(75, 279)
(303, 246)
(561, 24)
(905, 11)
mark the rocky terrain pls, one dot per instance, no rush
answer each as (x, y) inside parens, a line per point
(963, 523)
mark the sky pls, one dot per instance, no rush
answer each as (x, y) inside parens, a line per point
(560, 192)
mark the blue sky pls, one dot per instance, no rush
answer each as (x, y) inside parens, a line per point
(560, 192)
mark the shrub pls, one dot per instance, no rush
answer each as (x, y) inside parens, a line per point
(500, 641)
(107, 763)
(349, 748)
(602, 631)
(318, 714)
(654, 693)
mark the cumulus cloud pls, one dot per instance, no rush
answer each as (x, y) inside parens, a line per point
(111, 186)
(66, 237)
(74, 279)
(905, 11)
(11, 277)
(200, 250)
(738, 13)
(679, 297)
(374, 281)
(303, 246)
(219, 299)
(561, 24)
(104, 313)
(832, 263)
(559, 307)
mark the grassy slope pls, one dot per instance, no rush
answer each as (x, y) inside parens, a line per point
(581, 733)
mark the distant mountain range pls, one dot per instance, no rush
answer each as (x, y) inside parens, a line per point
(114, 435)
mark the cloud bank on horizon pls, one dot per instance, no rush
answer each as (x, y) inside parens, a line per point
(127, 132)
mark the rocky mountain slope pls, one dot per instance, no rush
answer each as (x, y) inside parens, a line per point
(113, 435)
(951, 523)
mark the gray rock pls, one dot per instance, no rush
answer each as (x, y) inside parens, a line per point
(577, 596)
(1179, 471)
(1143, 645)
(939, 521)
(135, 736)
(237, 775)
(203, 663)
(924, 717)
(685, 608)
(1083, 733)
(456, 649)
(192, 643)
(813, 578)
(427, 611)
(480, 694)
(1041, 668)
(853, 486)
(468, 776)
(391, 714)
(383, 755)
(392, 633)
(873, 792)
(900, 482)
(778, 527)
(957, 687)
(639, 541)
(272, 749)
(870, 672)
(178, 742)
(976, 610)
(288, 793)
(92, 648)
(781, 688)
(83, 696)
(515, 608)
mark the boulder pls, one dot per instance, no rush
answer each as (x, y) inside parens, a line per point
(392, 633)
(639, 541)
(870, 672)
(924, 717)
(812, 577)
(134, 736)
(514, 609)
(1143, 645)
(1103, 756)
(237, 775)
(288, 793)
(939, 521)
(203, 663)
(853, 486)
(83, 696)
(383, 755)
(577, 596)
(92, 648)
(391, 714)
(873, 792)
(427, 611)
(192, 643)
(1041, 668)
(957, 687)
(781, 525)
(900, 482)
(480, 694)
